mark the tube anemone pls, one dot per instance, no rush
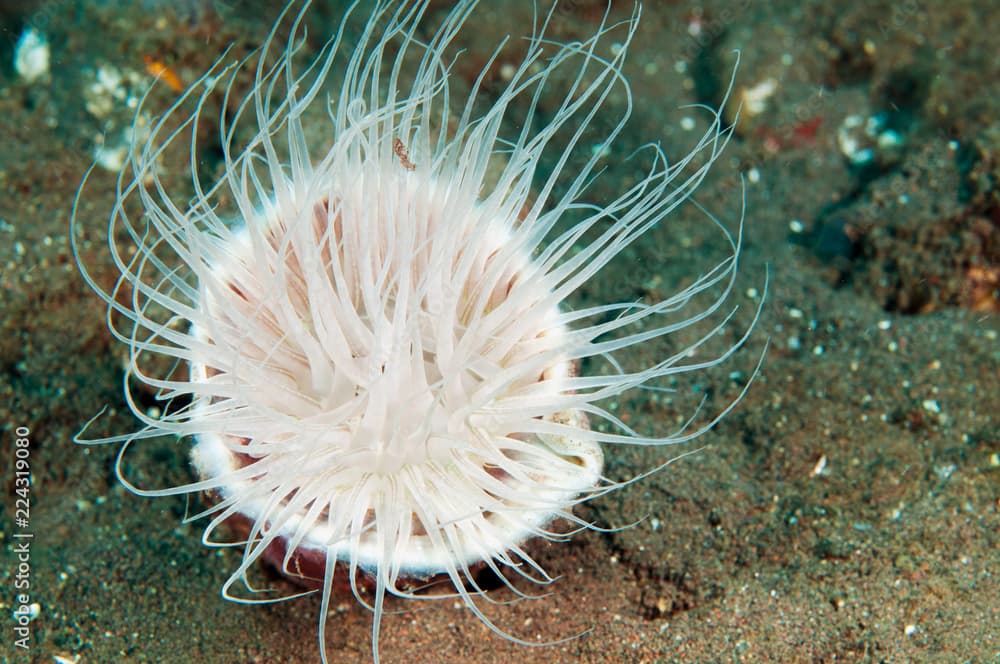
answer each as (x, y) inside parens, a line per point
(368, 342)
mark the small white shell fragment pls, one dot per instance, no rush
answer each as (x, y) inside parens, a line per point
(848, 140)
(32, 55)
(755, 98)
(110, 156)
(820, 467)
(111, 151)
(99, 97)
(867, 140)
(111, 87)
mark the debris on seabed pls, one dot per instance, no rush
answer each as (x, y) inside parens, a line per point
(865, 141)
(32, 55)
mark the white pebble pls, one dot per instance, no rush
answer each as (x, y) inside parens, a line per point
(32, 55)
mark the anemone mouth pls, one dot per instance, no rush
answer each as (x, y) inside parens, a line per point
(357, 356)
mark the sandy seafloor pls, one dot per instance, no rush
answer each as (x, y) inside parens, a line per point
(847, 510)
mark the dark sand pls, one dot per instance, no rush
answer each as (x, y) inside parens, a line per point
(847, 510)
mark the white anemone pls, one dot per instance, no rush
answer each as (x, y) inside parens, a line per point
(370, 340)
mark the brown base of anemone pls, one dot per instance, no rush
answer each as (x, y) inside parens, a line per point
(307, 567)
